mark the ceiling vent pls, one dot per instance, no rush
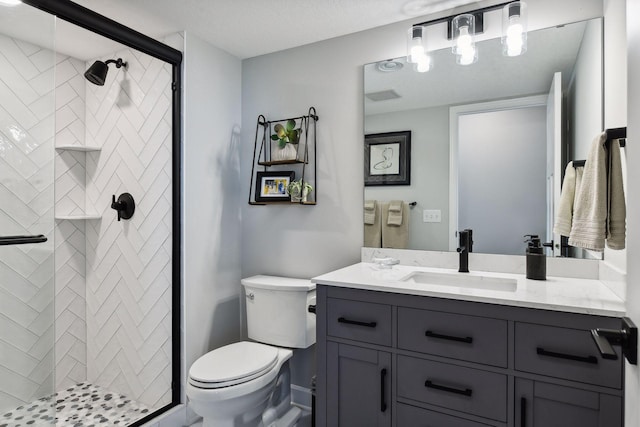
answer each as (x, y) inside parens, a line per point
(382, 95)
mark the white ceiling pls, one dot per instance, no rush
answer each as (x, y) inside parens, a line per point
(244, 28)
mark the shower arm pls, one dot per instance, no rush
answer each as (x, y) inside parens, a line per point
(119, 62)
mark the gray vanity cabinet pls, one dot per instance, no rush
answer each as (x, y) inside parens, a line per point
(396, 360)
(540, 404)
(361, 392)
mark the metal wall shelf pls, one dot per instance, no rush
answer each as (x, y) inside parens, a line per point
(303, 166)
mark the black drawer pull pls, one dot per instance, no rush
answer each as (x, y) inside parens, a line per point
(432, 334)
(383, 399)
(464, 392)
(357, 322)
(523, 412)
(586, 359)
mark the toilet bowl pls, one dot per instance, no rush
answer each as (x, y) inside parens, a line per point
(247, 384)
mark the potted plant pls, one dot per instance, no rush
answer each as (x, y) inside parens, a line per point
(299, 190)
(287, 136)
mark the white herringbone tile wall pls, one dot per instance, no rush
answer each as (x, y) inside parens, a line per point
(26, 207)
(70, 259)
(128, 263)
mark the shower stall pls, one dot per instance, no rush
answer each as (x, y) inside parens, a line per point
(89, 219)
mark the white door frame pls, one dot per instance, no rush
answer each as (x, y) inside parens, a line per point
(454, 114)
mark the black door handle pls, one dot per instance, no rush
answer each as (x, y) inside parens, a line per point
(432, 334)
(22, 240)
(383, 398)
(357, 322)
(586, 359)
(464, 392)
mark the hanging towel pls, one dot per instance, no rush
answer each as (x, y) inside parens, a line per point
(395, 236)
(564, 216)
(370, 211)
(617, 212)
(372, 231)
(589, 224)
(395, 212)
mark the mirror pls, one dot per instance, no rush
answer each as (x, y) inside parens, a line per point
(489, 141)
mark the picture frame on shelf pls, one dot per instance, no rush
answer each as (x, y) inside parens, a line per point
(387, 158)
(271, 186)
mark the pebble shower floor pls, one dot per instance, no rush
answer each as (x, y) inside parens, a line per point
(83, 405)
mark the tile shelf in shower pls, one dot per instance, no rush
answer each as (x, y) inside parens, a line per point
(79, 217)
(78, 148)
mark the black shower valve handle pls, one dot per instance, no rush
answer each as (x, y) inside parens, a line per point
(125, 205)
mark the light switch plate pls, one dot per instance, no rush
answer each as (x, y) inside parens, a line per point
(432, 215)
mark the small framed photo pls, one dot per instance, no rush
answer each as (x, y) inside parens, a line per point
(271, 186)
(387, 158)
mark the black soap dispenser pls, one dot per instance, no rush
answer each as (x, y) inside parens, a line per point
(536, 259)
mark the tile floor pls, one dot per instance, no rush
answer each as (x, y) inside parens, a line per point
(84, 405)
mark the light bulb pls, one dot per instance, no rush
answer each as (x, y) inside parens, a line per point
(514, 28)
(464, 41)
(416, 44)
(514, 39)
(467, 57)
(424, 63)
(10, 2)
(417, 51)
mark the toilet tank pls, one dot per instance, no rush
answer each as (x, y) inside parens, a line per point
(277, 310)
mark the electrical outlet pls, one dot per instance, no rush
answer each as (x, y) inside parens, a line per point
(432, 215)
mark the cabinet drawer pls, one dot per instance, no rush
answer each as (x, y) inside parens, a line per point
(410, 416)
(564, 353)
(456, 336)
(359, 321)
(462, 389)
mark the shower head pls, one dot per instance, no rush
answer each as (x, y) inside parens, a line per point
(97, 73)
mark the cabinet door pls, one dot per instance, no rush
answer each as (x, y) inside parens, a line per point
(358, 386)
(540, 404)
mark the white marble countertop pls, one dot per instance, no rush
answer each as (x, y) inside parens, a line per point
(572, 295)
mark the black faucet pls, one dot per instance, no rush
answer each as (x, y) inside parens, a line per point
(465, 246)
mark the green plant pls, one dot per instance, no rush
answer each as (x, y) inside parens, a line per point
(286, 134)
(299, 189)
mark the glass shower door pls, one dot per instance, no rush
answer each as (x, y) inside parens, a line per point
(27, 130)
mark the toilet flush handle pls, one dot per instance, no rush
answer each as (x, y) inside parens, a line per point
(250, 296)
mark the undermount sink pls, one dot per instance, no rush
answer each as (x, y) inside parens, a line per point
(462, 281)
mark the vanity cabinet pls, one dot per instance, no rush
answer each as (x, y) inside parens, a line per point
(387, 359)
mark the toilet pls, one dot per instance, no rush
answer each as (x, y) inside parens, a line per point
(247, 384)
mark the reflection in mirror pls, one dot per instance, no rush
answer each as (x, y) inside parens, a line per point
(489, 141)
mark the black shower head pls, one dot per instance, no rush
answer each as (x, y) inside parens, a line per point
(97, 73)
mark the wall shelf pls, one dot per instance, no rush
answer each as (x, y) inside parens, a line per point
(82, 148)
(267, 156)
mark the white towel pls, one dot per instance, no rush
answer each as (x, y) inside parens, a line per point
(589, 224)
(370, 211)
(373, 231)
(395, 213)
(564, 215)
(617, 212)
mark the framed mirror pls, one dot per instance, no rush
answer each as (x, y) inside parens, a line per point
(490, 141)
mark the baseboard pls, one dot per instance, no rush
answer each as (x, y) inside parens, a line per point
(301, 396)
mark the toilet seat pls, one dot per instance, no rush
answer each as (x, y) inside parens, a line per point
(233, 364)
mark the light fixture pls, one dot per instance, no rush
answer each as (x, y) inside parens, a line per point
(417, 51)
(10, 2)
(514, 28)
(463, 27)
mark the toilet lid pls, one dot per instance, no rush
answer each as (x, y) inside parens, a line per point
(234, 362)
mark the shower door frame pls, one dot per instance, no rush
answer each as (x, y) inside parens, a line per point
(99, 24)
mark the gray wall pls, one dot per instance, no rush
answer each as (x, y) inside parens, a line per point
(211, 198)
(429, 177)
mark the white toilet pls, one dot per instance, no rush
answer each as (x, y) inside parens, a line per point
(247, 384)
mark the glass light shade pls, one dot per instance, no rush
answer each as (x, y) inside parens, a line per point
(463, 27)
(416, 44)
(514, 28)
